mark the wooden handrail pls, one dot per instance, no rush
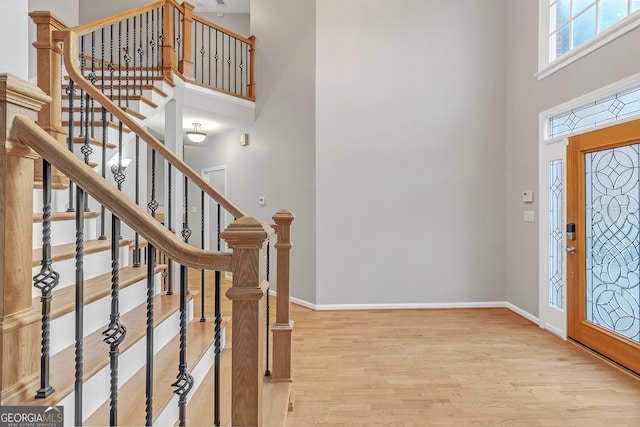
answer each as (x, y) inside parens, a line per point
(222, 30)
(68, 37)
(30, 134)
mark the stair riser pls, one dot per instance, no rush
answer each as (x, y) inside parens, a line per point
(96, 314)
(96, 389)
(64, 232)
(94, 265)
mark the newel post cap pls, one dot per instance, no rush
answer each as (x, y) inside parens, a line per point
(284, 216)
(247, 233)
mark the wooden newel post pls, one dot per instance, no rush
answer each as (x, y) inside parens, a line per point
(186, 62)
(169, 53)
(283, 328)
(19, 323)
(49, 61)
(247, 237)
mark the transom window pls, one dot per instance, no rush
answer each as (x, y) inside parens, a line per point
(572, 22)
(582, 25)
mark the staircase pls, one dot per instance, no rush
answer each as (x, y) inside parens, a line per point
(104, 332)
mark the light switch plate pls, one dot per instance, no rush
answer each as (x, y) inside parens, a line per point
(529, 216)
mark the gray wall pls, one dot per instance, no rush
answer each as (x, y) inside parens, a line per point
(410, 151)
(526, 98)
(278, 163)
(238, 23)
(94, 9)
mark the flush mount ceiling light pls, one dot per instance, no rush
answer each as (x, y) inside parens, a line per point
(196, 135)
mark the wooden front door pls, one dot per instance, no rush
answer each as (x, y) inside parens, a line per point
(603, 262)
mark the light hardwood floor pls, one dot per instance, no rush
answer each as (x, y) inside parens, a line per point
(449, 368)
(473, 367)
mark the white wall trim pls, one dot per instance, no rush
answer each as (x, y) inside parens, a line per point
(522, 313)
(413, 306)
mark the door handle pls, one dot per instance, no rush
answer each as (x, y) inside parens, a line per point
(571, 250)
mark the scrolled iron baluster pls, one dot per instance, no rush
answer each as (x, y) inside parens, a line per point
(79, 310)
(186, 231)
(151, 265)
(136, 249)
(202, 317)
(71, 93)
(218, 328)
(267, 372)
(168, 275)
(184, 380)
(116, 331)
(161, 39)
(45, 281)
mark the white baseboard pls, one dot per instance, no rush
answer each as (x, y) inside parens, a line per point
(522, 313)
(554, 330)
(415, 306)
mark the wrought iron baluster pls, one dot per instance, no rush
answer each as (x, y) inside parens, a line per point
(267, 372)
(216, 58)
(202, 317)
(103, 167)
(241, 66)
(169, 226)
(152, 43)
(151, 264)
(209, 60)
(141, 53)
(218, 326)
(229, 64)
(120, 64)
(116, 331)
(46, 280)
(71, 93)
(184, 380)
(136, 250)
(186, 231)
(79, 306)
(161, 38)
(127, 60)
(235, 61)
(153, 203)
(222, 65)
(134, 55)
(112, 69)
(147, 51)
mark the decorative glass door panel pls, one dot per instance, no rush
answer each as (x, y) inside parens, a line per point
(603, 262)
(612, 240)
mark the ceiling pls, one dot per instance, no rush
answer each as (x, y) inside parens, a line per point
(229, 6)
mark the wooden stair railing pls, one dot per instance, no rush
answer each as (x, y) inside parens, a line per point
(247, 237)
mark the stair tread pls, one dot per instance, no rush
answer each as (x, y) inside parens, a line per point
(276, 398)
(68, 250)
(131, 407)
(93, 141)
(65, 216)
(97, 287)
(96, 352)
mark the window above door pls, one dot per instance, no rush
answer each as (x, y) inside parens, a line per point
(571, 29)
